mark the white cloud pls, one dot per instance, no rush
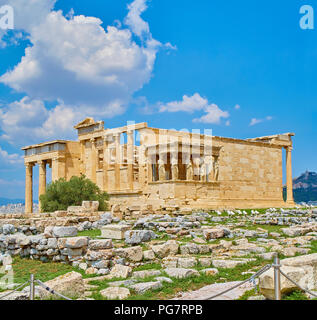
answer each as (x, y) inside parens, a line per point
(6, 158)
(237, 107)
(213, 115)
(195, 103)
(29, 121)
(255, 121)
(81, 64)
(188, 104)
(89, 70)
(27, 14)
(138, 26)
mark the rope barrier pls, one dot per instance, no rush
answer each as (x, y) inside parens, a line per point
(296, 284)
(16, 289)
(51, 290)
(251, 279)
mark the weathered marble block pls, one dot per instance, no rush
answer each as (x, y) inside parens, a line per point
(114, 231)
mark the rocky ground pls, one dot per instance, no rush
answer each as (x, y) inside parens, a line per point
(170, 256)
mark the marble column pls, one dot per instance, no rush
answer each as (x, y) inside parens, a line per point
(42, 181)
(130, 156)
(289, 177)
(117, 164)
(82, 158)
(105, 164)
(93, 157)
(28, 188)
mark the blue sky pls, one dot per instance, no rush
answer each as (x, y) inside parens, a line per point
(207, 64)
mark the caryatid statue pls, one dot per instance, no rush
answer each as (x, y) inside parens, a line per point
(203, 171)
(196, 165)
(189, 171)
(209, 168)
(174, 165)
(161, 170)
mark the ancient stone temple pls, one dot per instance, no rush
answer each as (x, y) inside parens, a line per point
(143, 166)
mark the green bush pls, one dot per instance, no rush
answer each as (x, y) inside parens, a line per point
(61, 194)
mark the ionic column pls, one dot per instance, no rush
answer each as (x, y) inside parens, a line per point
(289, 178)
(93, 157)
(82, 158)
(105, 165)
(130, 154)
(117, 164)
(28, 188)
(42, 181)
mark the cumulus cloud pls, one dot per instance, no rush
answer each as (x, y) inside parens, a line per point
(255, 121)
(6, 158)
(213, 115)
(78, 62)
(187, 104)
(89, 70)
(138, 26)
(27, 14)
(191, 104)
(27, 121)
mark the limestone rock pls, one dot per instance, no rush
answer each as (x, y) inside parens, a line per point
(76, 242)
(187, 262)
(142, 287)
(181, 272)
(114, 231)
(168, 248)
(60, 232)
(100, 244)
(113, 293)
(70, 284)
(148, 255)
(228, 263)
(120, 271)
(266, 281)
(134, 254)
(213, 233)
(138, 236)
(146, 273)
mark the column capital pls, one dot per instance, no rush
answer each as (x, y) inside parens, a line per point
(289, 148)
(93, 140)
(41, 162)
(29, 164)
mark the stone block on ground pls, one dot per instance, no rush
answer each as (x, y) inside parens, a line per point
(113, 293)
(181, 272)
(114, 231)
(61, 232)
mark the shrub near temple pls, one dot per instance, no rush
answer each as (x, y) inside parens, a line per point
(61, 194)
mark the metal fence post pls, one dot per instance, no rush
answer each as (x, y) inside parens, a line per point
(277, 278)
(32, 287)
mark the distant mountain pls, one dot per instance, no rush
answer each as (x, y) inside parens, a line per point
(5, 201)
(305, 187)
